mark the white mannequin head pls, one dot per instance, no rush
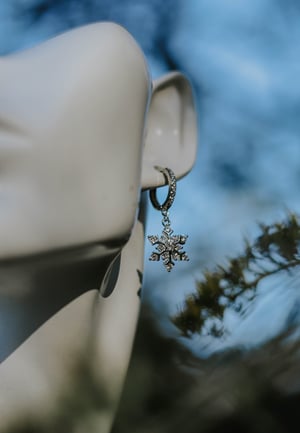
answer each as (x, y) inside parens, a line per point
(72, 126)
(81, 129)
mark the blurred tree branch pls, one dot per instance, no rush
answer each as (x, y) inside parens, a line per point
(234, 286)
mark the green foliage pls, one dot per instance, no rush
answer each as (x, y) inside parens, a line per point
(234, 286)
(168, 390)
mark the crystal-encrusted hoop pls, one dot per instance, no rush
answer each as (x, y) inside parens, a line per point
(171, 181)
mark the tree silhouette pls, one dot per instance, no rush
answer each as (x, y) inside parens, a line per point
(234, 286)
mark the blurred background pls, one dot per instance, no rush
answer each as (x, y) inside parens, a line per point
(243, 59)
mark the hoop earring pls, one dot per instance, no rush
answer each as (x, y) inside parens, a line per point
(168, 246)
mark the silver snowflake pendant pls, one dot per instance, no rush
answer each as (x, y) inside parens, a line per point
(168, 248)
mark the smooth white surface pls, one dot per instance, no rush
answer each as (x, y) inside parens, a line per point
(71, 126)
(171, 130)
(81, 128)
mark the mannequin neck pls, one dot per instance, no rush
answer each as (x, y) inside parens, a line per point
(33, 289)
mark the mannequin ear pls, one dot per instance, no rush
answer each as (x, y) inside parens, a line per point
(171, 130)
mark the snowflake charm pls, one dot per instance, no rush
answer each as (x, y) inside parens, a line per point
(168, 248)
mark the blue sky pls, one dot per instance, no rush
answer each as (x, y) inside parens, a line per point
(243, 58)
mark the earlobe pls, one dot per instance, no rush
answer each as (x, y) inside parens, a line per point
(171, 130)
